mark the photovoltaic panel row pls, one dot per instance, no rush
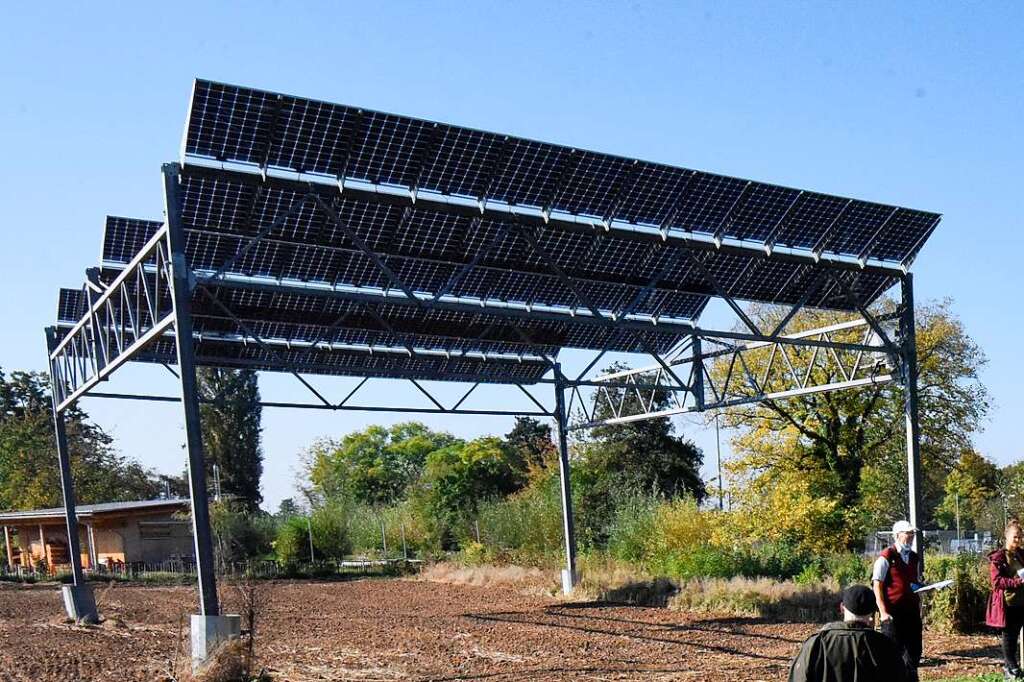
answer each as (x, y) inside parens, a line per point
(302, 250)
(320, 318)
(270, 130)
(425, 248)
(467, 329)
(291, 252)
(214, 351)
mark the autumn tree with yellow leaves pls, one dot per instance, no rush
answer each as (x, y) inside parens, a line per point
(824, 468)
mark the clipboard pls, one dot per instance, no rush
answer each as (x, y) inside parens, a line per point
(942, 584)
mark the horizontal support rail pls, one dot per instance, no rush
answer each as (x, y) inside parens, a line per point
(334, 408)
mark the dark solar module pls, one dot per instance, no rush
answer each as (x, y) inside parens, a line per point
(809, 219)
(906, 231)
(125, 237)
(761, 211)
(858, 226)
(236, 124)
(72, 304)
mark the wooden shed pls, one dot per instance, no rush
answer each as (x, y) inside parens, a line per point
(111, 534)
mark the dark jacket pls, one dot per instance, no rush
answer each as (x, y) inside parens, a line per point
(1003, 578)
(848, 652)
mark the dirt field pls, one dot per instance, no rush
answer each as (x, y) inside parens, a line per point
(408, 630)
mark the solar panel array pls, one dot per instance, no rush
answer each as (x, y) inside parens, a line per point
(275, 131)
(281, 227)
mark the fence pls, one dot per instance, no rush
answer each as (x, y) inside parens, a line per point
(185, 569)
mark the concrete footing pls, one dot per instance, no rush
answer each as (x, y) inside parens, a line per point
(568, 581)
(209, 632)
(79, 603)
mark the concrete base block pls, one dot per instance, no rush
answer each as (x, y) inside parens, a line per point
(79, 603)
(569, 581)
(209, 632)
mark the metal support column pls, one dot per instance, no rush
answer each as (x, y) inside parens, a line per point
(908, 344)
(697, 373)
(565, 474)
(10, 551)
(91, 540)
(67, 486)
(181, 297)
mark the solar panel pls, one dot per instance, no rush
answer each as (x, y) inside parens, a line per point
(242, 125)
(124, 237)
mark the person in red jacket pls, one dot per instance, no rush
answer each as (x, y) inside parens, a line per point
(896, 574)
(1006, 604)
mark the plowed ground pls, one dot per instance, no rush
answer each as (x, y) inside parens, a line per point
(410, 630)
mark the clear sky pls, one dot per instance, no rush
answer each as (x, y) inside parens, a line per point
(918, 105)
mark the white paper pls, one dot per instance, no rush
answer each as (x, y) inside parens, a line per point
(934, 586)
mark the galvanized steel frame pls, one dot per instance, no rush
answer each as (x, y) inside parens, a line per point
(113, 331)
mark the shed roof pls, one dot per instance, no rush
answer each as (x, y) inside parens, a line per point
(87, 510)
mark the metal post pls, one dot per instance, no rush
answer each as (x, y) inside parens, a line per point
(67, 485)
(569, 574)
(93, 559)
(910, 408)
(10, 552)
(181, 297)
(697, 373)
(309, 531)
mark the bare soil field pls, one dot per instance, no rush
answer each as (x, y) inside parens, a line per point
(413, 630)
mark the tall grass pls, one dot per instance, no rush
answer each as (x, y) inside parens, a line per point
(525, 528)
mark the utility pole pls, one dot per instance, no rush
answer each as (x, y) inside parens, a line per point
(718, 443)
(216, 482)
(956, 496)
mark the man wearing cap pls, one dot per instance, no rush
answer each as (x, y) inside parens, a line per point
(896, 574)
(850, 650)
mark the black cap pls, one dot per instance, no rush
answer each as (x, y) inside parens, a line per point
(859, 600)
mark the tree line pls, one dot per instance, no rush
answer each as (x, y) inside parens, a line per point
(823, 465)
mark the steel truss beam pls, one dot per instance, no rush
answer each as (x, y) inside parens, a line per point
(153, 292)
(133, 311)
(785, 370)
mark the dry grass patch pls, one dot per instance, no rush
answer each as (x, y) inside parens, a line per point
(533, 581)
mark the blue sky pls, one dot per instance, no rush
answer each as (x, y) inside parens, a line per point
(918, 105)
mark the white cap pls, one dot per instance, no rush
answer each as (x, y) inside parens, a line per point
(902, 527)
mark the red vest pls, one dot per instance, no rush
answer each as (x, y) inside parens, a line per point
(899, 596)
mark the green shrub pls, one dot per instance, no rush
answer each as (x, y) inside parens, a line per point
(526, 527)
(960, 607)
(331, 533)
(292, 542)
(847, 569)
(632, 528)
